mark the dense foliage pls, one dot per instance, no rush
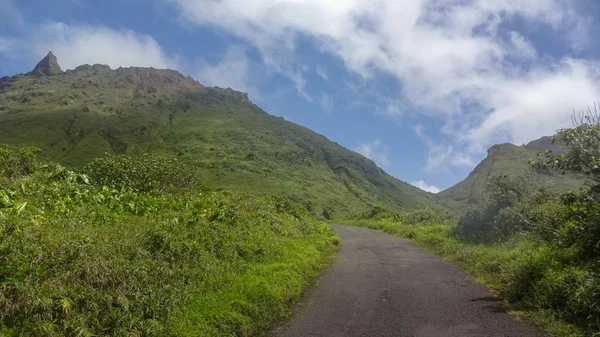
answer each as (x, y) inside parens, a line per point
(143, 174)
(92, 254)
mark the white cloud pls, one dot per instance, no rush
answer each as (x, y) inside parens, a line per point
(322, 72)
(456, 60)
(77, 45)
(232, 71)
(326, 102)
(425, 187)
(441, 154)
(376, 151)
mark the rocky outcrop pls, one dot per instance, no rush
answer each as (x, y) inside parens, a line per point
(48, 66)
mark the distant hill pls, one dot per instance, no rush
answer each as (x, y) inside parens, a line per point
(76, 115)
(513, 161)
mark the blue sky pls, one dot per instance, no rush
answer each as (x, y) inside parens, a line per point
(422, 87)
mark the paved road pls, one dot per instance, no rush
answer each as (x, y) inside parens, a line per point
(381, 285)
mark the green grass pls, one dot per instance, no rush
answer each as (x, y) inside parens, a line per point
(535, 279)
(86, 260)
(83, 114)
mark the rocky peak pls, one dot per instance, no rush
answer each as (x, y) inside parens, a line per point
(47, 66)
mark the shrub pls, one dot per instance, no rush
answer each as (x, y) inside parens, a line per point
(547, 218)
(145, 173)
(424, 216)
(473, 225)
(574, 292)
(499, 217)
(15, 163)
(509, 221)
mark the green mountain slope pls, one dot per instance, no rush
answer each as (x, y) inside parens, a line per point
(511, 160)
(80, 114)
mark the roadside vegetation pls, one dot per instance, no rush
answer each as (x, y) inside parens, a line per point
(134, 247)
(539, 250)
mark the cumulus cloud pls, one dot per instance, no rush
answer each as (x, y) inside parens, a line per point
(425, 187)
(374, 150)
(458, 61)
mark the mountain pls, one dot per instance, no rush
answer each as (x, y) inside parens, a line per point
(81, 114)
(511, 160)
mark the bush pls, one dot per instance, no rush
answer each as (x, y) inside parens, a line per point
(145, 173)
(425, 216)
(510, 221)
(473, 225)
(547, 218)
(499, 217)
(582, 218)
(15, 163)
(574, 292)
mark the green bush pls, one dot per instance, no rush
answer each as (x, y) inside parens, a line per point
(15, 163)
(473, 225)
(424, 216)
(547, 218)
(574, 292)
(510, 221)
(145, 173)
(418, 217)
(582, 217)
(499, 217)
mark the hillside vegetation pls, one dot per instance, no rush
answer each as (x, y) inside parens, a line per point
(81, 114)
(141, 252)
(512, 161)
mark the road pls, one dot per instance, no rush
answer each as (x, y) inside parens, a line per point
(381, 285)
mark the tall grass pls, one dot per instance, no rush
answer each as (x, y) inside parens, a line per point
(83, 259)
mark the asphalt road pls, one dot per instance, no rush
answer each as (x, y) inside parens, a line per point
(381, 285)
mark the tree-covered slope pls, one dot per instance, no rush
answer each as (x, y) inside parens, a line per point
(513, 161)
(81, 114)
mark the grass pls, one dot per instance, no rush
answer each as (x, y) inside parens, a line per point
(79, 259)
(520, 271)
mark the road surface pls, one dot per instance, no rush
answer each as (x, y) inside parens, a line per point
(381, 286)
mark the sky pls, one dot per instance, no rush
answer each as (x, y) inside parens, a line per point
(421, 87)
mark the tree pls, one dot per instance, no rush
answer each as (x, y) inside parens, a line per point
(582, 156)
(583, 146)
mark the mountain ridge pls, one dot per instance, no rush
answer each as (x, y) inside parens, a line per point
(83, 113)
